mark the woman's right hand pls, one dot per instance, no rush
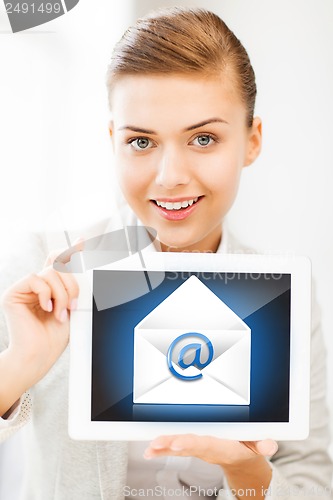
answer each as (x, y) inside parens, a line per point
(37, 312)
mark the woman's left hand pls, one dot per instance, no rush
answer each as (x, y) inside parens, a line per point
(223, 452)
(243, 462)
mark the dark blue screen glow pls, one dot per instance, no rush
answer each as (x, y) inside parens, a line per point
(261, 301)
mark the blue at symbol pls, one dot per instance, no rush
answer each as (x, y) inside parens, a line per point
(196, 361)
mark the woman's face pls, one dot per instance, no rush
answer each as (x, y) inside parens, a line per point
(180, 144)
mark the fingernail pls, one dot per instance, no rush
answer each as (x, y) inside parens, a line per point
(49, 305)
(272, 450)
(73, 304)
(63, 315)
(147, 456)
(157, 446)
(176, 447)
(78, 242)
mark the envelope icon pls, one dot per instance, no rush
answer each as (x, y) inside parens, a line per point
(192, 349)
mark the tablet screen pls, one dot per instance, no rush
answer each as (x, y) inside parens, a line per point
(199, 347)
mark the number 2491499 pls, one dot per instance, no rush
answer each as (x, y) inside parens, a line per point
(33, 7)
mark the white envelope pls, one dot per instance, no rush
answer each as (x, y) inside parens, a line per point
(192, 307)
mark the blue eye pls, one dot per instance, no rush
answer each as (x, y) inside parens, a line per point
(140, 143)
(203, 140)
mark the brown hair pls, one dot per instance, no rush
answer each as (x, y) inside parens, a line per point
(184, 41)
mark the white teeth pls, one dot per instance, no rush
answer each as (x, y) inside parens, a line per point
(177, 205)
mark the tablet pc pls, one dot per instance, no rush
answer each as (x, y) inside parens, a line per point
(215, 344)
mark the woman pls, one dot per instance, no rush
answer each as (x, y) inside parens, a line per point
(182, 94)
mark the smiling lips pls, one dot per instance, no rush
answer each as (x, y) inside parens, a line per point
(177, 209)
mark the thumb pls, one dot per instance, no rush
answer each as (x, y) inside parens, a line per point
(266, 447)
(61, 259)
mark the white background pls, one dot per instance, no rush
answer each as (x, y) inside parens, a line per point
(55, 154)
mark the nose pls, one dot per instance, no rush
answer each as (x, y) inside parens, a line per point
(172, 169)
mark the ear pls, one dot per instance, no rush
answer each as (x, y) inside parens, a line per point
(254, 142)
(111, 129)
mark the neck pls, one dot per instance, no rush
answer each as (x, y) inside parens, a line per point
(209, 244)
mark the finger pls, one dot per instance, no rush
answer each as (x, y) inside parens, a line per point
(266, 447)
(72, 288)
(64, 254)
(52, 256)
(184, 445)
(208, 448)
(58, 293)
(161, 443)
(31, 284)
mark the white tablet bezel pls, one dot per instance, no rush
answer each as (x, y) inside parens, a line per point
(80, 424)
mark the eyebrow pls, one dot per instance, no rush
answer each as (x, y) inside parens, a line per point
(187, 129)
(205, 122)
